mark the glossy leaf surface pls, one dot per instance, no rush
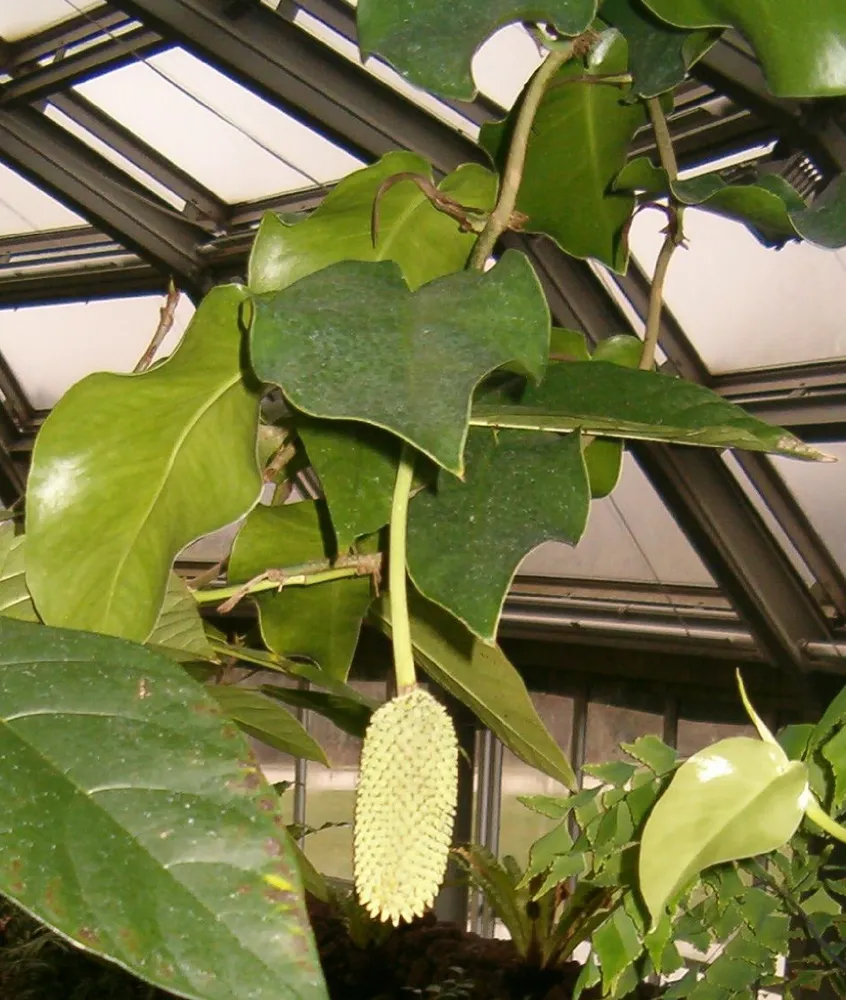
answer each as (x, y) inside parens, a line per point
(578, 144)
(800, 46)
(128, 469)
(415, 359)
(481, 677)
(466, 539)
(15, 601)
(320, 622)
(432, 42)
(350, 713)
(736, 799)
(267, 721)
(601, 398)
(135, 821)
(179, 626)
(425, 242)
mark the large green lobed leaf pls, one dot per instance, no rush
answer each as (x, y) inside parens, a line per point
(578, 145)
(128, 469)
(134, 821)
(466, 539)
(800, 45)
(432, 42)
(352, 342)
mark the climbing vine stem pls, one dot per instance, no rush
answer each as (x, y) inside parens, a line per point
(397, 582)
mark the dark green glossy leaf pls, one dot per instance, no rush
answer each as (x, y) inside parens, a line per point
(320, 622)
(350, 714)
(432, 42)
(15, 601)
(466, 539)
(607, 399)
(659, 54)
(135, 821)
(415, 359)
(481, 677)
(800, 49)
(736, 799)
(267, 721)
(426, 243)
(578, 144)
(128, 469)
(824, 223)
(180, 626)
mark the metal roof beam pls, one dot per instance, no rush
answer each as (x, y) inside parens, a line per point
(69, 170)
(285, 64)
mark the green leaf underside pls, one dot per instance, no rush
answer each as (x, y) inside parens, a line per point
(267, 721)
(15, 601)
(180, 626)
(432, 42)
(123, 477)
(481, 677)
(579, 143)
(119, 770)
(351, 714)
(319, 622)
(425, 242)
(801, 51)
(601, 398)
(521, 489)
(736, 799)
(415, 359)
(659, 54)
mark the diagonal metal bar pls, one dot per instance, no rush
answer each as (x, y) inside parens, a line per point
(72, 172)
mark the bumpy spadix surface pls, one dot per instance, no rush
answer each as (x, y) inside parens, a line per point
(405, 806)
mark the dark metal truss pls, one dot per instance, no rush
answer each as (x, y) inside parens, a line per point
(137, 241)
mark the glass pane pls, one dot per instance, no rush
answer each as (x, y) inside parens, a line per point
(19, 18)
(504, 63)
(630, 536)
(49, 348)
(234, 142)
(519, 826)
(26, 209)
(693, 736)
(609, 726)
(743, 305)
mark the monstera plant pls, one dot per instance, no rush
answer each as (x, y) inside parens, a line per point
(388, 343)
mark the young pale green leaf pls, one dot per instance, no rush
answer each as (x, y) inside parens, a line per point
(481, 677)
(579, 143)
(600, 398)
(415, 359)
(179, 625)
(350, 713)
(735, 799)
(136, 822)
(800, 49)
(466, 539)
(15, 601)
(659, 54)
(432, 42)
(267, 721)
(128, 469)
(320, 622)
(617, 944)
(425, 242)
(614, 772)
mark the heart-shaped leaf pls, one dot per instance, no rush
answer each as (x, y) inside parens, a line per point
(267, 721)
(135, 821)
(432, 42)
(128, 469)
(15, 601)
(180, 627)
(481, 678)
(579, 143)
(350, 713)
(601, 398)
(425, 242)
(659, 54)
(466, 539)
(800, 48)
(321, 622)
(735, 799)
(415, 359)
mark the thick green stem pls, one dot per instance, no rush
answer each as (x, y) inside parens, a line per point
(397, 582)
(512, 175)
